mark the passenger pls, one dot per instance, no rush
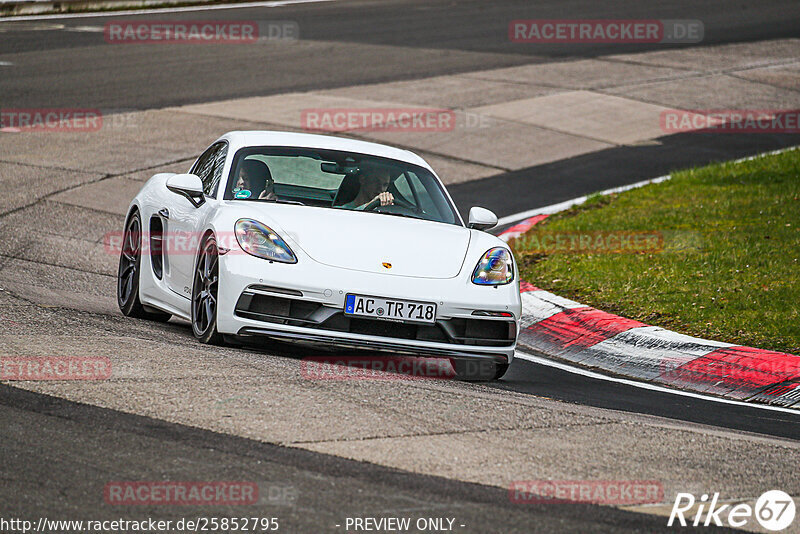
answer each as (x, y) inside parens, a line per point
(373, 182)
(255, 177)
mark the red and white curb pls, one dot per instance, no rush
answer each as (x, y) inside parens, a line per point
(565, 330)
(521, 227)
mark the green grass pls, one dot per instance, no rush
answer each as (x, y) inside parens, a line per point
(729, 268)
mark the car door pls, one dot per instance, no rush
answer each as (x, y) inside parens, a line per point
(184, 221)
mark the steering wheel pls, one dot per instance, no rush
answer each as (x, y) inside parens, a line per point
(375, 204)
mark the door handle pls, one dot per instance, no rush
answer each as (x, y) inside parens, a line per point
(164, 212)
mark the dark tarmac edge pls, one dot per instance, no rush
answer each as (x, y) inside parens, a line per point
(492, 505)
(551, 183)
(529, 377)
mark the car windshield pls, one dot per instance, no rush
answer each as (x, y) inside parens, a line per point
(340, 180)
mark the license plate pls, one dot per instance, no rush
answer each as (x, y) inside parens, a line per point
(392, 309)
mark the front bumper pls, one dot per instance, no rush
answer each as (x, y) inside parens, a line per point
(322, 289)
(382, 345)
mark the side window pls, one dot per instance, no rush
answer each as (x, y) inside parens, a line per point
(209, 167)
(216, 177)
(204, 164)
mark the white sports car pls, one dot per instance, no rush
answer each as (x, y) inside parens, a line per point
(325, 240)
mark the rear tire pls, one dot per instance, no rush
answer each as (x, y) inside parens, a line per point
(205, 290)
(130, 261)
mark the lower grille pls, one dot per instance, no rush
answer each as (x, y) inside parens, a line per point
(276, 309)
(458, 331)
(340, 322)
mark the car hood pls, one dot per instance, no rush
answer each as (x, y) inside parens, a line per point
(371, 242)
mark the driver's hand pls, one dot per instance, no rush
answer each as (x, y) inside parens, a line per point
(267, 196)
(385, 198)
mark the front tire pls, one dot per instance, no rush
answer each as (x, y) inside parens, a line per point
(130, 261)
(478, 370)
(205, 290)
(500, 370)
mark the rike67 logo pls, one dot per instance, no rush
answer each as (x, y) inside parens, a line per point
(774, 510)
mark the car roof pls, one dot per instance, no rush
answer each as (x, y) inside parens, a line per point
(244, 139)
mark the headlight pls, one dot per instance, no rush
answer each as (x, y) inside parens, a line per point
(260, 240)
(495, 268)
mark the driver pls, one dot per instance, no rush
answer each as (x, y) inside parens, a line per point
(374, 180)
(254, 176)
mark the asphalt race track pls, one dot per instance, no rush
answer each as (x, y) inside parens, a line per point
(325, 451)
(344, 43)
(322, 490)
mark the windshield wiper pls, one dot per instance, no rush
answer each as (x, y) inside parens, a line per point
(402, 215)
(281, 201)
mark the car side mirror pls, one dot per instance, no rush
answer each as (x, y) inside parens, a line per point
(481, 218)
(188, 185)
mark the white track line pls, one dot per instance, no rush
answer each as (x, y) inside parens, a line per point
(274, 3)
(561, 206)
(645, 385)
